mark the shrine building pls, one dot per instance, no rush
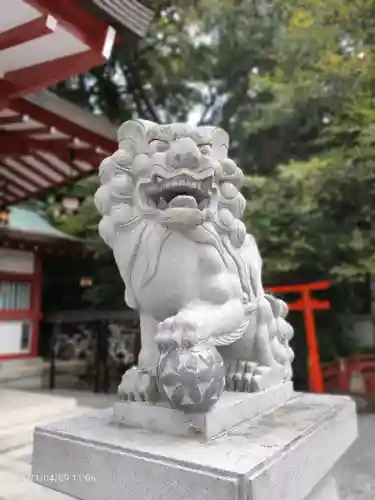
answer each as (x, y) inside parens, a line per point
(45, 141)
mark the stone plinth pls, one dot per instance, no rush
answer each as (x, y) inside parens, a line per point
(22, 373)
(285, 454)
(232, 409)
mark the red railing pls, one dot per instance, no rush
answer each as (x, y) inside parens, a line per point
(338, 375)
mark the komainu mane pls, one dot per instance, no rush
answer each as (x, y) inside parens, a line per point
(171, 205)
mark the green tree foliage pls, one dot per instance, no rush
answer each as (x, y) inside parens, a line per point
(320, 109)
(108, 289)
(292, 81)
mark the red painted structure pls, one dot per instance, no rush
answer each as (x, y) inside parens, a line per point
(307, 304)
(338, 374)
(31, 315)
(46, 142)
(46, 41)
(17, 246)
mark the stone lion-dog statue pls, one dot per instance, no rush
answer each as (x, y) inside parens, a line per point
(171, 212)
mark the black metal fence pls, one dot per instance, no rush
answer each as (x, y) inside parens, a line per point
(89, 350)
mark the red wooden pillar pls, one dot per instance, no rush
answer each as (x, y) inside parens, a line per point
(36, 304)
(343, 375)
(307, 304)
(315, 376)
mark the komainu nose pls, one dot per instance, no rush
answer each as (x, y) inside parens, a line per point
(183, 153)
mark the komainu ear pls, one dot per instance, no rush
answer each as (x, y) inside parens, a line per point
(132, 137)
(220, 144)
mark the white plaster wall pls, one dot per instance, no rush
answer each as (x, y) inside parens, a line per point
(16, 261)
(10, 338)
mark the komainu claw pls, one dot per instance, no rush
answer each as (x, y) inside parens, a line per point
(137, 385)
(239, 375)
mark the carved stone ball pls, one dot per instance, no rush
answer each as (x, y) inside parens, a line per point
(192, 378)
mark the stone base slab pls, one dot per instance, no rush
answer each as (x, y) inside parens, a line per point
(286, 454)
(232, 409)
(22, 373)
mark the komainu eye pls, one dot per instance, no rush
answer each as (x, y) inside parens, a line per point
(158, 146)
(205, 149)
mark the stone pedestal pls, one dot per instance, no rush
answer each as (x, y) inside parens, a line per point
(285, 454)
(232, 409)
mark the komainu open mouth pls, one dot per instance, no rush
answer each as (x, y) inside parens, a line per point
(180, 192)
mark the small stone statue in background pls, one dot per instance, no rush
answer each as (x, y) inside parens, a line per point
(171, 210)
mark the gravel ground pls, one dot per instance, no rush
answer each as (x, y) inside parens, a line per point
(356, 471)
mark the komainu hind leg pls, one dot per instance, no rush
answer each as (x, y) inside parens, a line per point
(263, 367)
(269, 372)
(247, 376)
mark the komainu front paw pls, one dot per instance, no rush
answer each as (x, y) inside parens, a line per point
(239, 375)
(177, 330)
(137, 385)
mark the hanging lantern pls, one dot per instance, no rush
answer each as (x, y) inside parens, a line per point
(70, 204)
(4, 216)
(85, 282)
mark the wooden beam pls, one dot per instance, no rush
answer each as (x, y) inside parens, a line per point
(14, 145)
(18, 277)
(73, 166)
(58, 185)
(319, 285)
(17, 192)
(82, 24)
(10, 120)
(19, 144)
(6, 89)
(46, 74)
(7, 135)
(89, 155)
(5, 198)
(76, 316)
(88, 28)
(25, 177)
(56, 168)
(299, 305)
(11, 145)
(53, 144)
(44, 174)
(64, 125)
(10, 181)
(26, 32)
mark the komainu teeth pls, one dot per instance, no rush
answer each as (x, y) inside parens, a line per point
(170, 184)
(180, 192)
(162, 204)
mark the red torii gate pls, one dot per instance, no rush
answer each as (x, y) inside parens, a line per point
(307, 304)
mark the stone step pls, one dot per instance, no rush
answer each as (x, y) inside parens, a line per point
(19, 407)
(22, 411)
(22, 434)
